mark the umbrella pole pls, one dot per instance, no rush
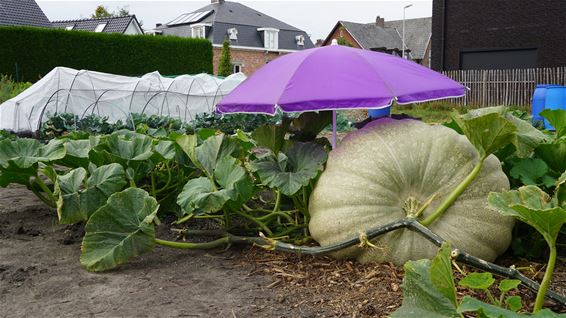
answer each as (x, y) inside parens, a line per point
(334, 129)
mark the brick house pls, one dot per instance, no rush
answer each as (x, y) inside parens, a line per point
(502, 34)
(386, 36)
(255, 38)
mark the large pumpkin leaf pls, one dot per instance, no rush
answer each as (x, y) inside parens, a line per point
(532, 206)
(532, 171)
(554, 155)
(132, 150)
(309, 124)
(557, 118)
(214, 149)
(201, 193)
(24, 153)
(102, 183)
(204, 194)
(121, 229)
(292, 170)
(67, 189)
(77, 152)
(526, 138)
(271, 137)
(76, 204)
(188, 143)
(428, 288)
(488, 132)
(123, 148)
(19, 158)
(165, 149)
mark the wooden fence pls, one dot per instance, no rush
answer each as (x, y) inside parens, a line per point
(504, 87)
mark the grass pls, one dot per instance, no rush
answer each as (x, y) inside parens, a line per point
(432, 112)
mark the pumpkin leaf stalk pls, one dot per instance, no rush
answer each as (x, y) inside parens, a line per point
(454, 194)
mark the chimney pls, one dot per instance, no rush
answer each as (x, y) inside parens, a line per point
(380, 22)
(216, 1)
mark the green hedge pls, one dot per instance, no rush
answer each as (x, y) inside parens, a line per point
(33, 52)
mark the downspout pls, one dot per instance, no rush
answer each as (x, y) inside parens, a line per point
(443, 35)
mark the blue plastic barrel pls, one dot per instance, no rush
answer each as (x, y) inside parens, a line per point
(539, 99)
(555, 99)
(380, 112)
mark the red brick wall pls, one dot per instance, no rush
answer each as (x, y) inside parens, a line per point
(251, 59)
(340, 31)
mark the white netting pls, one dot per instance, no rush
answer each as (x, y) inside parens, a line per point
(65, 90)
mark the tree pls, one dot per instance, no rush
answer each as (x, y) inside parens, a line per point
(225, 65)
(102, 12)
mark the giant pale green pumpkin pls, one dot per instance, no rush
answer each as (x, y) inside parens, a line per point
(393, 166)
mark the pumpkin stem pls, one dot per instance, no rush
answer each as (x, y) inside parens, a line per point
(454, 194)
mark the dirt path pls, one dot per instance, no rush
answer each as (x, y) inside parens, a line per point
(40, 276)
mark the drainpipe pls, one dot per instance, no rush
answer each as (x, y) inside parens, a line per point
(443, 35)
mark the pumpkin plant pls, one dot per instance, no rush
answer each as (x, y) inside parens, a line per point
(429, 290)
(546, 214)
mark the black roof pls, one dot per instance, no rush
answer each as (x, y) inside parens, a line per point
(226, 14)
(113, 24)
(371, 36)
(22, 12)
(417, 34)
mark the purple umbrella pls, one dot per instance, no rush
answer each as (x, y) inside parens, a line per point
(337, 77)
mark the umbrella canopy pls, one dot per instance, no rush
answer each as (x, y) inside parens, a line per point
(337, 77)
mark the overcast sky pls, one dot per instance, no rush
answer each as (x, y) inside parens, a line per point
(315, 17)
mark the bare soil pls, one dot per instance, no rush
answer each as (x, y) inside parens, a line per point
(40, 276)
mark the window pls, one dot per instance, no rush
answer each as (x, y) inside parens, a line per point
(300, 40)
(233, 34)
(100, 27)
(237, 67)
(270, 38)
(69, 27)
(197, 32)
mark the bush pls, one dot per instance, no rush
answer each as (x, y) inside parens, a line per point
(9, 88)
(29, 53)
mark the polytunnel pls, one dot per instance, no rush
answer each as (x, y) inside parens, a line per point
(84, 92)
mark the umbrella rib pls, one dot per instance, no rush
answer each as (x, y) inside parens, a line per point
(277, 104)
(378, 75)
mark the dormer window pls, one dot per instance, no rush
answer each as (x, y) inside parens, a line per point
(270, 38)
(199, 30)
(300, 40)
(233, 34)
(100, 27)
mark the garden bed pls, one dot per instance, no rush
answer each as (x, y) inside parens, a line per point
(40, 275)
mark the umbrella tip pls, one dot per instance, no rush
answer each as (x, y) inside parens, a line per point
(334, 42)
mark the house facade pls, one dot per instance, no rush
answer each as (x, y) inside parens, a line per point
(386, 36)
(255, 38)
(502, 34)
(22, 13)
(124, 25)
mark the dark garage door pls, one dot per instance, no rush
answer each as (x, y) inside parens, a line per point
(498, 59)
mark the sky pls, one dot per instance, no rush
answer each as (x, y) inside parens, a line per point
(317, 18)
